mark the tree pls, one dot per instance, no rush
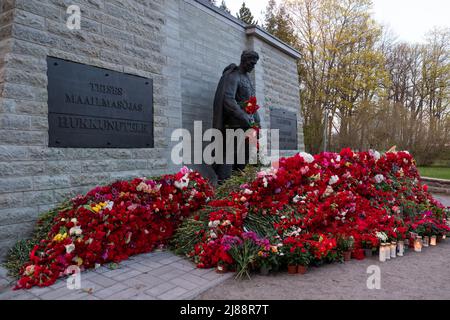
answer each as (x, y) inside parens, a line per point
(224, 7)
(341, 67)
(245, 15)
(278, 22)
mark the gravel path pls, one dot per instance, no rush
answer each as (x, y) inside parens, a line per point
(422, 275)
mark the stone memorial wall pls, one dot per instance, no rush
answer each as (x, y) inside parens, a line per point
(156, 64)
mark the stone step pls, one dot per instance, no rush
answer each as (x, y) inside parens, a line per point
(437, 185)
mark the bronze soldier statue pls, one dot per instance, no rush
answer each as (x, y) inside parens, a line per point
(235, 87)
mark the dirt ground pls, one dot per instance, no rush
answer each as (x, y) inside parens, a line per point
(423, 275)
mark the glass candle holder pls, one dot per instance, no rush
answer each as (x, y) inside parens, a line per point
(387, 251)
(382, 252)
(400, 248)
(406, 246)
(426, 241)
(433, 240)
(393, 249)
(418, 244)
(444, 237)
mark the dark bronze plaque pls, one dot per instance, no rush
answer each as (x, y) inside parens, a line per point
(286, 122)
(91, 107)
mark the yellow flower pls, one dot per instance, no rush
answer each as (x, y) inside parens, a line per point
(260, 253)
(60, 237)
(274, 249)
(348, 164)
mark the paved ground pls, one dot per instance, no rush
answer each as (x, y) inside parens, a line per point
(158, 275)
(162, 275)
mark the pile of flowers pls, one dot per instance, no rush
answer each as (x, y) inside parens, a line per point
(114, 222)
(305, 210)
(313, 209)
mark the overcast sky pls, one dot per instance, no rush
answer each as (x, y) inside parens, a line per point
(409, 19)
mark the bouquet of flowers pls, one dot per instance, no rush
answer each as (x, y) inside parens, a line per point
(114, 222)
(251, 106)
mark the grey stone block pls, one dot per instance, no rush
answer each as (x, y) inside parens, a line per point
(109, 291)
(101, 280)
(51, 182)
(16, 215)
(15, 184)
(39, 8)
(16, 137)
(173, 294)
(37, 198)
(160, 289)
(13, 121)
(13, 232)
(29, 19)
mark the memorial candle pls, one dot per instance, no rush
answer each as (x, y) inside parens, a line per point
(426, 241)
(418, 244)
(382, 252)
(387, 251)
(400, 248)
(433, 240)
(393, 249)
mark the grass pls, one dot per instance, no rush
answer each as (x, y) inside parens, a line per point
(435, 172)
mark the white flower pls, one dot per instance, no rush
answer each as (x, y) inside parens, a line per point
(109, 205)
(141, 186)
(265, 182)
(270, 172)
(333, 180)
(183, 182)
(213, 235)
(74, 220)
(328, 191)
(75, 231)
(379, 178)
(375, 154)
(248, 191)
(307, 157)
(70, 248)
(29, 270)
(214, 224)
(338, 158)
(382, 236)
(296, 199)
